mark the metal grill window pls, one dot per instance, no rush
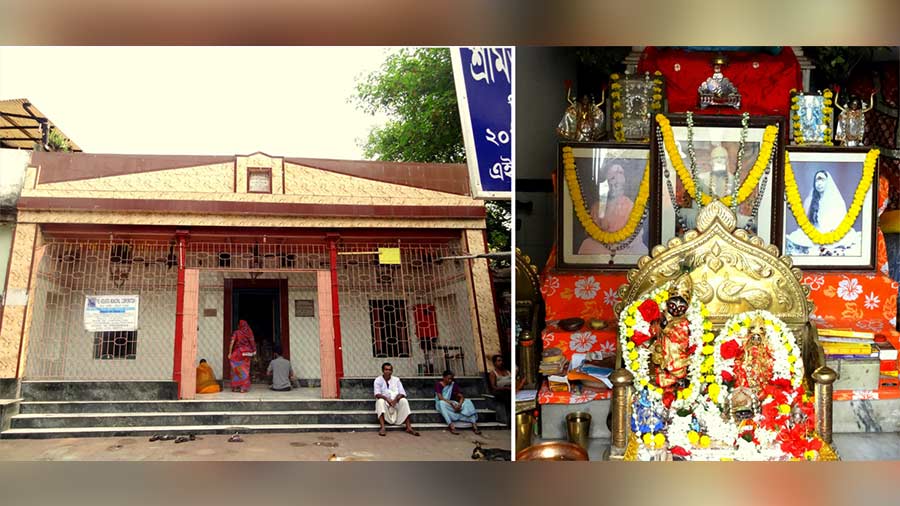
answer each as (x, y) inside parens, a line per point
(59, 347)
(426, 298)
(115, 345)
(389, 328)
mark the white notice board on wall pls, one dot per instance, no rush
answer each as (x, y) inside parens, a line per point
(109, 313)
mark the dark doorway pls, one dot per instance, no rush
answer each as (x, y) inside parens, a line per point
(260, 308)
(262, 303)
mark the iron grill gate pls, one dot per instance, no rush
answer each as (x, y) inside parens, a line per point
(60, 348)
(414, 315)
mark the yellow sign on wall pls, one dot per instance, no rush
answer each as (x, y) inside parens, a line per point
(389, 256)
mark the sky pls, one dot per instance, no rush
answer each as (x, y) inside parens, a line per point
(284, 101)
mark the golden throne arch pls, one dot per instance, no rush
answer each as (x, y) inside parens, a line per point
(732, 271)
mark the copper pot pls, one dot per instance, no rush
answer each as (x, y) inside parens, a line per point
(554, 450)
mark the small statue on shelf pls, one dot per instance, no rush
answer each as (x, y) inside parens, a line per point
(851, 123)
(718, 90)
(582, 121)
(753, 367)
(670, 350)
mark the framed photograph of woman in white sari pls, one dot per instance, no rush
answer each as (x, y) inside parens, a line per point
(826, 180)
(716, 143)
(605, 181)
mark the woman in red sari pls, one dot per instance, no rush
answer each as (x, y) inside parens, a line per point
(243, 347)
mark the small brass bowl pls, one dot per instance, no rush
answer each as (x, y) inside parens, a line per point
(596, 324)
(554, 450)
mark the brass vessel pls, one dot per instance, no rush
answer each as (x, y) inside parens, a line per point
(524, 430)
(556, 450)
(578, 426)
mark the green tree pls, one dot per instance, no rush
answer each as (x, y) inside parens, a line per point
(414, 88)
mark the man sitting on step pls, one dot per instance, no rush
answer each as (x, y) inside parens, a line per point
(281, 372)
(391, 405)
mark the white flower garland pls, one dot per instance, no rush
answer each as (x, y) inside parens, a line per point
(637, 358)
(721, 431)
(786, 364)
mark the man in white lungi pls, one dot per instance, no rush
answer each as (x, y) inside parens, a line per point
(391, 405)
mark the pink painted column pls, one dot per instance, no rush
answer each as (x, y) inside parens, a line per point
(327, 362)
(187, 388)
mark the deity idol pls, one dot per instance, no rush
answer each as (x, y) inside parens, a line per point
(582, 121)
(670, 355)
(753, 367)
(851, 123)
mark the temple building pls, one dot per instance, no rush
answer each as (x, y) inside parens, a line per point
(340, 265)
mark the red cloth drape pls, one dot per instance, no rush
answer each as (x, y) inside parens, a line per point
(764, 80)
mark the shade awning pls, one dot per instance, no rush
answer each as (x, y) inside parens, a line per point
(20, 125)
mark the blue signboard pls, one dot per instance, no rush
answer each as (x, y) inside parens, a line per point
(484, 90)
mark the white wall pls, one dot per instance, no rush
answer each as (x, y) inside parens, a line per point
(60, 348)
(13, 163)
(304, 330)
(209, 332)
(6, 235)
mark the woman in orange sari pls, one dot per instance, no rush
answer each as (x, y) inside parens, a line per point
(206, 379)
(243, 347)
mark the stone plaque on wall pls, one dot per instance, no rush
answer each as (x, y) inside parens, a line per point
(209, 312)
(304, 308)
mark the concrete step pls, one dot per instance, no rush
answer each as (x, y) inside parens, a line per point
(98, 390)
(218, 405)
(216, 418)
(91, 390)
(147, 431)
(418, 387)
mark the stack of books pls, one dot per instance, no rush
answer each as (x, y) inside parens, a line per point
(889, 363)
(554, 366)
(848, 344)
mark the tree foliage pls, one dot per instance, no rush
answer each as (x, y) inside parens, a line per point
(414, 88)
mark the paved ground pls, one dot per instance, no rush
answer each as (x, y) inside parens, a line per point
(431, 445)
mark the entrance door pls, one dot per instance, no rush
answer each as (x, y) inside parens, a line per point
(263, 305)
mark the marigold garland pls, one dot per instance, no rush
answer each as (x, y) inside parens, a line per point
(750, 182)
(796, 203)
(584, 215)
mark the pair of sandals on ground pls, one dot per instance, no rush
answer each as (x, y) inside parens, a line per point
(169, 437)
(450, 428)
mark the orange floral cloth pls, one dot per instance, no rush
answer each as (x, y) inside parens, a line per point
(583, 340)
(547, 396)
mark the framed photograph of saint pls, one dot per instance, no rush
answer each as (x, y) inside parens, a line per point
(826, 180)
(612, 184)
(716, 145)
